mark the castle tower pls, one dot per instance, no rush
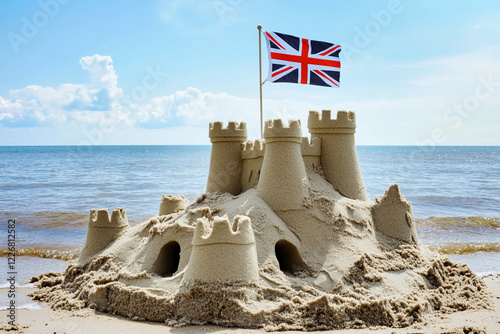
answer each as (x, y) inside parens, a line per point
(339, 157)
(283, 180)
(223, 253)
(225, 161)
(103, 231)
(252, 156)
(172, 204)
(311, 152)
(393, 215)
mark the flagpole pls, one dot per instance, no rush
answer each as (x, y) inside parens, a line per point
(260, 81)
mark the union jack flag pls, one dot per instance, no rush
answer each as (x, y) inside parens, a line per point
(301, 60)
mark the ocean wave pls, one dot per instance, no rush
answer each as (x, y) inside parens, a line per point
(460, 221)
(47, 219)
(484, 204)
(55, 219)
(57, 254)
(437, 198)
(466, 248)
(29, 306)
(55, 184)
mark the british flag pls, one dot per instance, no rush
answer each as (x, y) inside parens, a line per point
(301, 60)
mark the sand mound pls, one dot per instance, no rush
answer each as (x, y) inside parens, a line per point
(285, 238)
(371, 280)
(297, 306)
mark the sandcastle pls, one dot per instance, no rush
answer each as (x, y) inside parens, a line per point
(284, 238)
(235, 164)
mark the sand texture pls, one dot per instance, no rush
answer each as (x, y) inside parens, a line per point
(299, 247)
(347, 275)
(83, 321)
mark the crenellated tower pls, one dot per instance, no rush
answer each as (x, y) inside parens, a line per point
(172, 204)
(339, 157)
(311, 152)
(252, 156)
(102, 231)
(225, 160)
(223, 253)
(283, 180)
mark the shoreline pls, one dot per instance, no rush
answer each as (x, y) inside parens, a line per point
(46, 320)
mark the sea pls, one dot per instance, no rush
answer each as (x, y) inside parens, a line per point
(50, 190)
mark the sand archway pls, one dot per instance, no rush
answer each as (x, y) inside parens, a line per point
(289, 258)
(168, 259)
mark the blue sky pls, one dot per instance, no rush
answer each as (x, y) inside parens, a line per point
(157, 72)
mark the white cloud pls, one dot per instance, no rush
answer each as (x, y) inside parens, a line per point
(90, 103)
(101, 104)
(102, 74)
(407, 119)
(192, 107)
(9, 110)
(458, 72)
(100, 68)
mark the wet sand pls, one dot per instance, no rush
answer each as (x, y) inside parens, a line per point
(45, 320)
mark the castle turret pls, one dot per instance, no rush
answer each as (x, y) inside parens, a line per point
(223, 253)
(225, 161)
(252, 156)
(393, 216)
(172, 204)
(103, 231)
(339, 157)
(283, 180)
(311, 152)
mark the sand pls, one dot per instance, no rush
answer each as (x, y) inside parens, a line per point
(340, 274)
(46, 320)
(297, 250)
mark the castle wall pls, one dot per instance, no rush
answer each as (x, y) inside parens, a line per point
(339, 157)
(311, 152)
(226, 165)
(252, 157)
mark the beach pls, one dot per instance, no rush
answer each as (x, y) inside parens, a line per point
(451, 189)
(148, 184)
(44, 320)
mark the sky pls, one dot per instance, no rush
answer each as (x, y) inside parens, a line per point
(157, 72)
